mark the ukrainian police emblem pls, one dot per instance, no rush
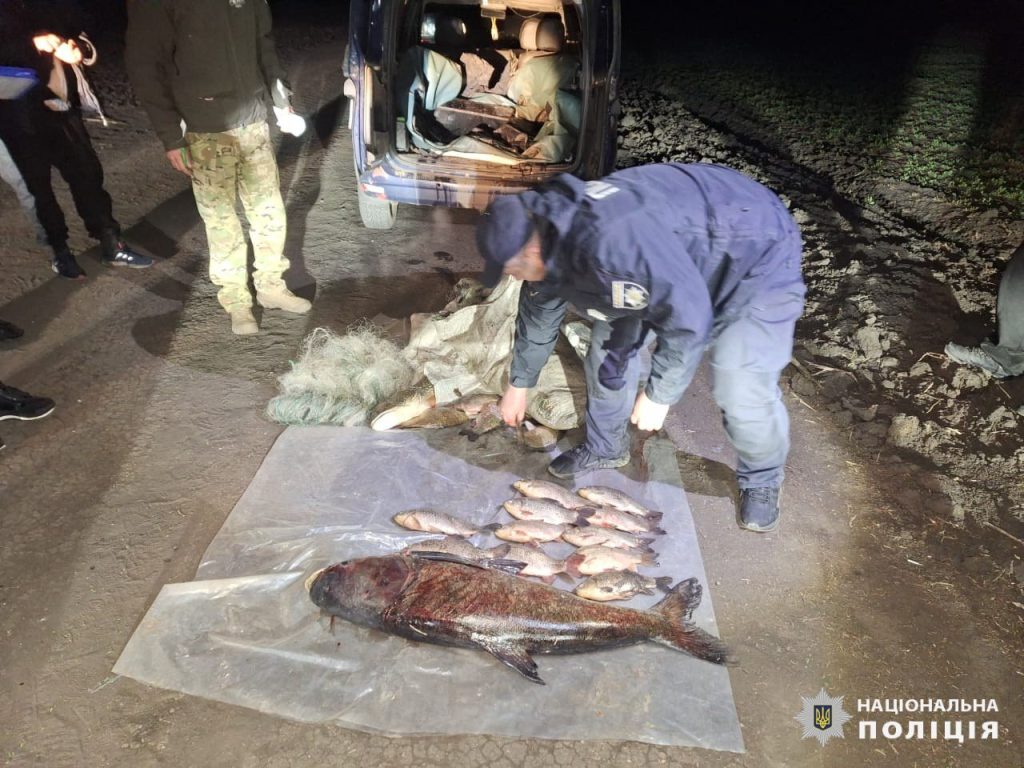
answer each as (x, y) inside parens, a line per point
(626, 295)
(822, 717)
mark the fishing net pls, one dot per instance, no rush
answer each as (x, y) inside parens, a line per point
(339, 379)
(460, 351)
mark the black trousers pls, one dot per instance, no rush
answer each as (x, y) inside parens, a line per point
(59, 140)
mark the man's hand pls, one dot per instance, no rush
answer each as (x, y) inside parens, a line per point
(513, 405)
(180, 160)
(648, 415)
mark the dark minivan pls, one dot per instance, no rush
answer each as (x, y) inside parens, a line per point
(456, 101)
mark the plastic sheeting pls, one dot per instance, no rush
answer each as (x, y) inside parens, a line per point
(246, 633)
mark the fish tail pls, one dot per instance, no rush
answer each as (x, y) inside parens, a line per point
(572, 565)
(649, 558)
(654, 517)
(490, 527)
(499, 552)
(664, 583)
(676, 609)
(656, 531)
(582, 516)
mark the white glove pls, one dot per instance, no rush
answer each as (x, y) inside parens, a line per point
(648, 415)
(289, 122)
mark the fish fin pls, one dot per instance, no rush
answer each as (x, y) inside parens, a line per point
(676, 608)
(564, 575)
(583, 515)
(492, 564)
(664, 583)
(656, 531)
(649, 558)
(490, 527)
(681, 601)
(517, 658)
(572, 565)
(446, 557)
(501, 564)
(499, 552)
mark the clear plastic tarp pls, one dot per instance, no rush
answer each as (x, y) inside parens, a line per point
(246, 633)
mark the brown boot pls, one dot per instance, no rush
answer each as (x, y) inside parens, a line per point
(282, 298)
(242, 322)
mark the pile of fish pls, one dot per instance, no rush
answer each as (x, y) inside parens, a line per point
(449, 591)
(613, 534)
(476, 415)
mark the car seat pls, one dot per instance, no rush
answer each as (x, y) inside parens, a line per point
(542, 33)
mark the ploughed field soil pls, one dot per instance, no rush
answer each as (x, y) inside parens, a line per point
(887, 578)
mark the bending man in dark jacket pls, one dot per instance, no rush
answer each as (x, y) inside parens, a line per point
(696, 254)
(206, 71)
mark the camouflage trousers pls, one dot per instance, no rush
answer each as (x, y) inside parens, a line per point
(226, 167)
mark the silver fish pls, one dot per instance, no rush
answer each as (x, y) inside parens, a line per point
(620, 585)
(592, 560)
(546, 511)
(609, 537)
(429, 521)
(529, 531)
(538, 562)
(609, 517)
(459, 547)
(604, 496)
(542, 489)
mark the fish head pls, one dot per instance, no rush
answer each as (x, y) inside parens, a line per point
(514, 507)
(360, 590)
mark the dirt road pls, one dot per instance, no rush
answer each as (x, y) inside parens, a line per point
(159, 430)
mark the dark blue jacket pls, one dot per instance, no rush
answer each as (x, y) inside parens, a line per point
(684, 247)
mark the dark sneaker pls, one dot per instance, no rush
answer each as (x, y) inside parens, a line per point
(759, 509)
(579, 459)
(64, 264)
(120, 255)
(15, 404)
(9, 331)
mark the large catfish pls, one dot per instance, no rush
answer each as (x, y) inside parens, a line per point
(437, 598)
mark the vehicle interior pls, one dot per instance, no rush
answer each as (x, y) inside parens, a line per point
(491, 81)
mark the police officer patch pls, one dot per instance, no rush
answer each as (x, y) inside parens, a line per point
(626, 295)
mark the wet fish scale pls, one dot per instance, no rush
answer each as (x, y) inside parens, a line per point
(608, 537)
(542, 489)
(544, 510)
(610, 497)
(430, 521)
(525, 531)
(620, 585)
(609, 517)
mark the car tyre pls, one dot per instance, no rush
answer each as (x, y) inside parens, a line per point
(376, 214)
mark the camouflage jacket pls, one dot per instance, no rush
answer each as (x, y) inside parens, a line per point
(209, 63)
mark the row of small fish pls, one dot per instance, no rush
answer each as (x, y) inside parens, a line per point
(612, 571)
